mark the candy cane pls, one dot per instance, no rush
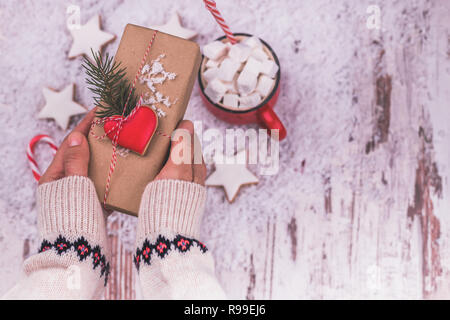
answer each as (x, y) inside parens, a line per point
(211, 6)
(30, 152)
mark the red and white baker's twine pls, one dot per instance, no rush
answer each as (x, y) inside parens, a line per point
(30, 152)
(120, 121)
(211, 6)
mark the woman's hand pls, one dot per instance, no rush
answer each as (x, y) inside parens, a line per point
(187, 170)
(72, 157)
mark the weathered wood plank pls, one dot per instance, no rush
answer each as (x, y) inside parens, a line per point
(122, 281)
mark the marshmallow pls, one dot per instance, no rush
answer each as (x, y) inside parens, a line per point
(259, 54)
(214, 50)
(231, 100)
(212, 63)
(270, 68)
(253, 42)
(265, 85)
(231, 86)
(215, 90)
(252, 100)
(210, 74)
(228, 69)
(239, 52)
(246, 82)
(252, 66)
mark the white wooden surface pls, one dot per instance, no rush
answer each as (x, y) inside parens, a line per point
(360, 207)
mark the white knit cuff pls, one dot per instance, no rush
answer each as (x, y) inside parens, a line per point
(171, 206)
(70, 207)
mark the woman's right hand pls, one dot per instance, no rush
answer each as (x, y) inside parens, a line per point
(181, 166)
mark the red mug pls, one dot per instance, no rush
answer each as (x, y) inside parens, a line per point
(262, 113)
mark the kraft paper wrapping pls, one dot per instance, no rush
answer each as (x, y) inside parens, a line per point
(133, 172)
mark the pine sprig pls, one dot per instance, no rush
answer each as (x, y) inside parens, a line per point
(110, 86)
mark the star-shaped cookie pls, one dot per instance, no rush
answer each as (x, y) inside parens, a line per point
(173, 27)
(60, 106)
(89, 36)
(231, 173)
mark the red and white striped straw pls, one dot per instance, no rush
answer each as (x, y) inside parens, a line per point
(211, 6)
(30, 152)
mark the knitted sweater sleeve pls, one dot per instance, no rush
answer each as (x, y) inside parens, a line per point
(72, 262)
(171, 261)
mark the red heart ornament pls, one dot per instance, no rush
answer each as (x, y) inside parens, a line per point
(136, 132)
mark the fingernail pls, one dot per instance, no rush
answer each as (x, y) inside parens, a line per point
(74, 140)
